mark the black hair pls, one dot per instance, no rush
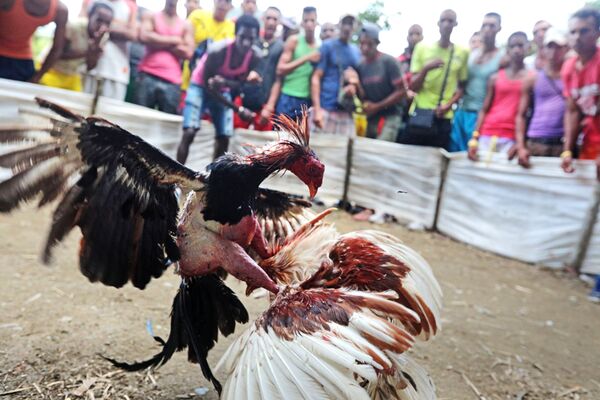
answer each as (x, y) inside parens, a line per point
(588, 12)
(274, 9)
(247, 21)
(98, 4)
(517, 34)
(494, 15)
(308, 10)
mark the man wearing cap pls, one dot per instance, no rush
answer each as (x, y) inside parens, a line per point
(439, 76)
(537, 60)
(337, 55)
(544, 90)
(380, 86)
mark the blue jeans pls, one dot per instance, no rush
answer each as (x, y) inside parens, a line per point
(291, 106)
(197, 102)
(152, 91)
(462, 129)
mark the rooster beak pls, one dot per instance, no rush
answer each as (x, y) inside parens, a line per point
(312, 190)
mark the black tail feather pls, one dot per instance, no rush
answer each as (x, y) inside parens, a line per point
(202, 307)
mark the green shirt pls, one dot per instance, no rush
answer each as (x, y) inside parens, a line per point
(429, 94)
(297, 82)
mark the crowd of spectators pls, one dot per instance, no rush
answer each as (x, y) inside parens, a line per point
(242, 66)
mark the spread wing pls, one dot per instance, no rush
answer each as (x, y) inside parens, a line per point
(280, 215)
(325, 343)
(117, 188)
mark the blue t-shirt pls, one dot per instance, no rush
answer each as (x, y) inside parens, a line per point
(335, 56)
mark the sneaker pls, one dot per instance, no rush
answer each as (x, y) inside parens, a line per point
(594, 296)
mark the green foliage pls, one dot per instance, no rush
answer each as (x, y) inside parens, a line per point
(374, 13)
(593, 4)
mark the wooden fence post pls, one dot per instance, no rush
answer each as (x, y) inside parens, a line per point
(588, 230)
(348, 172)
(444, 173)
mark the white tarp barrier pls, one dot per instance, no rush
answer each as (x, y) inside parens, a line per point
(534, 215)
(591, 262)
(331, 150)
(382, 170)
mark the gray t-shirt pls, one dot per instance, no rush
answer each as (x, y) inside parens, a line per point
(477, 81)
(380, 78)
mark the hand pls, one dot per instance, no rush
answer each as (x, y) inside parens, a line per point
(523, 154)
(216, 82)
(36, 77)
(410, 94)
(318, 117)
(246, 114)
(433, 64)
(349, 90)
(265, 114)
(254, 77)
(567, 165)
(442, 109)
(314, 57)
(370, 108)
(598, 168)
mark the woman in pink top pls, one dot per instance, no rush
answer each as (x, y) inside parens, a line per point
(169, 40)
(496, 122)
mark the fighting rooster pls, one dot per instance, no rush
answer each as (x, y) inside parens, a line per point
(352, 306)
(120, 191)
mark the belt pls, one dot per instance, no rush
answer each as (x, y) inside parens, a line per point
(547, 140)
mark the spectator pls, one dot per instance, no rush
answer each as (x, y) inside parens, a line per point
(84, 41)
(536, 60)
(208, 27)
(247, 7)
(295, 67)
(18, 21)
(482, 63)
(327, 31)
(190, 6)
(439, 75)
(137, 50)
(581, 77)
(221, 71)
(544, 90)
(415, 35)
(380, 86)
(255, 97)
(169, 40)
(475, 41)
(337, 55)
(496, 119)
(113, 66)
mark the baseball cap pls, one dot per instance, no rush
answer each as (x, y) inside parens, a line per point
(348, 19)
(370, 30)
(554, 35)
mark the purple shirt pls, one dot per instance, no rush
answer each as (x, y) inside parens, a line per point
(548, 108)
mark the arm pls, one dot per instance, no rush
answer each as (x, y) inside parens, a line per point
(269, 107)
(286, 64)
(521, 121)
(125, 31)
(150, 38)
(62, 15)
(394, 79)
(456, 96)
(418, 78)
(315, 94)
(571, 124)
(185, 49)
(70, 54)
(487, 103)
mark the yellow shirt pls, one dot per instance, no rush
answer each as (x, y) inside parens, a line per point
(206, 27)
(429, 94)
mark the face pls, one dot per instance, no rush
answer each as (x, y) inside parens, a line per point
(99, 21)
(249, 7)
(270, 22)
(489, 28)
(327, 31)
(191, 5)
(475, 42)
(539, 31)
(447, 22)
(368, 46)
(517, 48)
(310, 171)
(583, 34)
(346, 30)
(244, 38)
(555, 53)
(171, 4)
(309, 22)
(415, 35)
(222, 7)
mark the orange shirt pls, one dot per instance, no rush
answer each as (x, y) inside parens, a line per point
(17, 27)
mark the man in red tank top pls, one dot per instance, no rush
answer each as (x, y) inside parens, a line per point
(18, 21)
(581, 77)
(169, 40)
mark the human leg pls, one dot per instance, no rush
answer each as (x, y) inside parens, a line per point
(167, 97)
(191, 120)
(222, 117)
(146, 87)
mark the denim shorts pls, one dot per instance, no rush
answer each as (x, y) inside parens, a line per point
(152, 91)
(291, 106)
(197, 103)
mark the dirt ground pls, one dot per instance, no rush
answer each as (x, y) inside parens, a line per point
(510, 330)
